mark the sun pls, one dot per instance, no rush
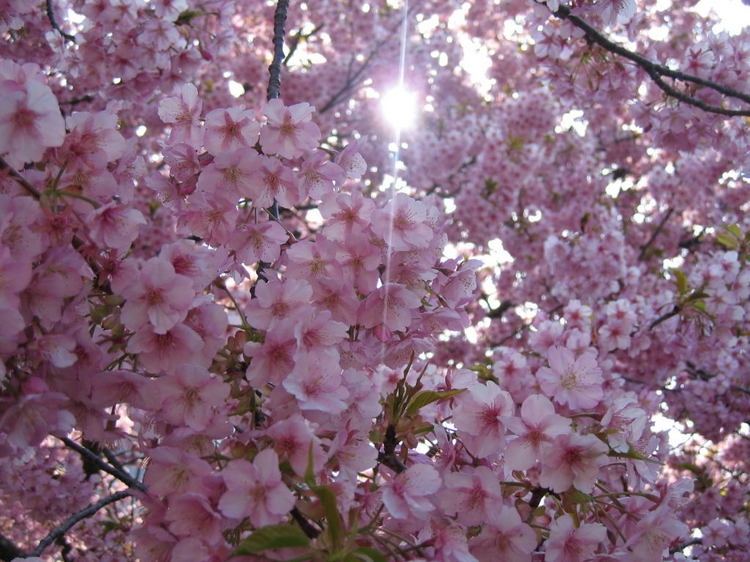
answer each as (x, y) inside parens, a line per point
(399, 107)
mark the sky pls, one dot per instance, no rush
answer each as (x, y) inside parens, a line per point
(735, 15)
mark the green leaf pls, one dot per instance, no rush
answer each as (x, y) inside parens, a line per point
(727, 240)
(335, 523)
(425, 397)
(273, 536)
(186, 16)
(681, 281)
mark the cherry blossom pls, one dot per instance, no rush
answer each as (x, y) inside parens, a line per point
(570, 380)
(255, 490)
(30, 118)
(232, 323)
(289, 130)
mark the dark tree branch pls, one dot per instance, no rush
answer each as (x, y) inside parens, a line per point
(353, 76)
(98, 461)
(654, 234)
(389, 457)
(75, 518)
(8, 550)
(297, 38)
(55, 26)
(22, 181)
(304, 524)
(279, 20)
(658, 72)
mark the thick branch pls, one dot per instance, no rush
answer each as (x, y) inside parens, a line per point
(657, 71)
(8, 550)
(279, 20)
(75, 518)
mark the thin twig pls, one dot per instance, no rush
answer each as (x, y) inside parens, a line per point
(279, 20)
(75, 518)
(55, 26)
(654, 234)
(108, 468)
(657, 71)
(22, 181)
(353, 77)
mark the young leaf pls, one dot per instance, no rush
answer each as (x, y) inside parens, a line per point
(273, 536)
(428, 397)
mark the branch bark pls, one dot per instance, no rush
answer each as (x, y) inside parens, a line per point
(8, 550)
(75, 518)
(279, 20)
(657, 72)
(55, 26)
(96, 460)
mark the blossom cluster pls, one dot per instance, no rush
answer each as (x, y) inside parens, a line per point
(217, 308)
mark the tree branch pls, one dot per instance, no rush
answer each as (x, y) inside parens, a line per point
(22, 181)
(8, 550)
(353, 76)
(75, 518)
(279, 20)
(657, 71)
(654, 234)
(98, 461)
(55, 26)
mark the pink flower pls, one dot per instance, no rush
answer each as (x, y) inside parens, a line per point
(479, 415)
(289, 131)
(273, 181)
(318, 175)
(30, 119)
(194, 261)
(30, 418)
(189, 396)
(471, 495)
(115, 226)
(351, 161)
(614, 11)
(505, 537)
(93, 140)
(569, 544)
(360, 259)
(172, 471)
(230, 129)
(570, 380)
(294, 441)
(191, 514)
(159, 297)
(255, 490)
(277, 300)
(408, 495)
(183, 113)
(315, 330)
(253, 242)
(316, 381)
(537, 425)
(168, 351)
(311, 260)
(391, 306)
(346, 213)
(231, 173)
(402, 223)
(273, 359)
(571, 459)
